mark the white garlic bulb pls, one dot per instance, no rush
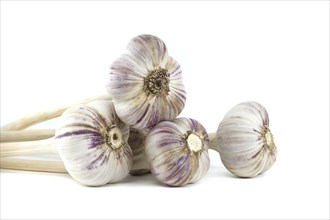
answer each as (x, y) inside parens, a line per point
(136, 141)
(177, 151)
(146, 83)
(92, 142)
(245, 143)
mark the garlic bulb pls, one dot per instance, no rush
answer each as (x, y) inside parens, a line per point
(136, 141)
(177, 151)
(246, 145)
(92, 142)
(146, 83)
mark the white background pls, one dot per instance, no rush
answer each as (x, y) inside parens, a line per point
(276, 53)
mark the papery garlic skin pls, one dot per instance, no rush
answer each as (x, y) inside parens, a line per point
(146, 83)
(136, 141)
(92, 142)
(177, 151)
(245, 143)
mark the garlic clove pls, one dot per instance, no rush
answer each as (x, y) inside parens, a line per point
(92, 142)
(146, 84)
(245, 143)
(148, 48)
(177, 151)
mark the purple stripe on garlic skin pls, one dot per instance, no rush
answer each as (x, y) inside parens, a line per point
(177, 151)
(146, 83)
(79, 132)
(99, 161)
(96, 139)
(92, 142)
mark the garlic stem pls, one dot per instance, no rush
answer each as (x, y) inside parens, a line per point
(32, 165)
(33, 119)
(26, 135)
(213, 144)
(46, 146)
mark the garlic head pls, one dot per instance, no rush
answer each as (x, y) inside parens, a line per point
(146, 83)
(245, 142)
(92, 142)
(177, 151)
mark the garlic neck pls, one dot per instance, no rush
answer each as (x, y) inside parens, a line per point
(213, 143)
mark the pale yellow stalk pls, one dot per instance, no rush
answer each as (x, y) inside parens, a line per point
(26, 135)
(32, 165)
(12, 149)
(36, 118)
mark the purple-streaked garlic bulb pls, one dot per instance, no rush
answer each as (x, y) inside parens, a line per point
(146, 83)
(136, 141)
(177, 151)
(245, 143)
(92, 142)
